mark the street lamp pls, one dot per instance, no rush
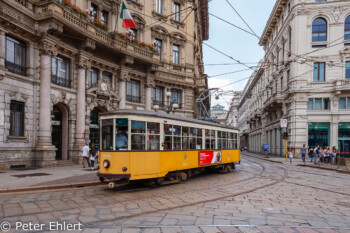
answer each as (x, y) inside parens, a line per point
(173, 105)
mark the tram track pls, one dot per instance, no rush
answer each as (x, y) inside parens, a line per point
(109, 195)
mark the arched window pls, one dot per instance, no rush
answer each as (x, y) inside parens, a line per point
(319, 30)
(347, 28)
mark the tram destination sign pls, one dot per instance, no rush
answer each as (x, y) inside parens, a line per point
(102, 97)
(209, 157)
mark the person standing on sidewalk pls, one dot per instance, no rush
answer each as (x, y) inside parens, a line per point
(92, 159)
(316, 152)
(334, 154)
(86, 150)
(303, 152)
(290, 153)
(311, 153)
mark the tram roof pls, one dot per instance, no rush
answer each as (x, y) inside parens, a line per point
(170, 117)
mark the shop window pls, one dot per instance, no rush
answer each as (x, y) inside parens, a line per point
(318, 134)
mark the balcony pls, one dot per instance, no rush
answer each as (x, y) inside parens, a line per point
(15, 68)
(342, 85)
(275, 99)
(51, 9)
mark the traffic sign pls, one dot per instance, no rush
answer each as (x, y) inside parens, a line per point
(266, 147)
(284, 123)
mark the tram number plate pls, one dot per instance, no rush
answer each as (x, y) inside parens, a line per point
(209, 157)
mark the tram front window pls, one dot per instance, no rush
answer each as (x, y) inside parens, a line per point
(121, 137)
(107, 134)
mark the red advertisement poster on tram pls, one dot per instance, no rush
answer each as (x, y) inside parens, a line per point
(209, 157)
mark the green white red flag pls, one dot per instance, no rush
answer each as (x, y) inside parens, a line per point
(128, 22)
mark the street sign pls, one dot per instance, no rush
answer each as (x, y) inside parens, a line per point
(284, 123)
(266, 147)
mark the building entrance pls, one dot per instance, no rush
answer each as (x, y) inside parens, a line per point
(344, 139)
(57, 131)
(318, 134)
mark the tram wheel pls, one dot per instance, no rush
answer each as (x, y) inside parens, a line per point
(224, 170)
(183, 176)
(229, 168)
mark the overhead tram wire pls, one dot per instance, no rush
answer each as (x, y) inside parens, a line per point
(243, 19)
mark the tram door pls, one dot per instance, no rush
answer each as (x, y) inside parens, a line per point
(57, 131)
(94, 129)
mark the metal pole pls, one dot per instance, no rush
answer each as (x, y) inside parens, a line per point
(286, 149)
(338, 158)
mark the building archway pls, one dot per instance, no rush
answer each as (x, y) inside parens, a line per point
(59, 132)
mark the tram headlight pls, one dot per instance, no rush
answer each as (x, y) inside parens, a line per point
(106, 163)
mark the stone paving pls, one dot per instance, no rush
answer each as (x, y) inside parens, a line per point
(258, 196)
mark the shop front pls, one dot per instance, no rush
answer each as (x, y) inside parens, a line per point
(344, 139)
(319, 134)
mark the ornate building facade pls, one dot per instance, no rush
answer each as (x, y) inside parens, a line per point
(304, 78)
(63, 62)
(232, 115)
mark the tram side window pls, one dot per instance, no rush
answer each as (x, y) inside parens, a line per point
(138, 135)
(232, 141)
(199, 139)
(121, 137)
(185, 138)
(193, 138)
(209, 139)
(107, 134)
(222, 140)
(177, 137)
(168, 138)
(153, 136)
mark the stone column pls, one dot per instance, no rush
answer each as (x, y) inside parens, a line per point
(2, 47)
(149, 87)
(30, 60)
(82, 65)
(124, 76)
(45, 152)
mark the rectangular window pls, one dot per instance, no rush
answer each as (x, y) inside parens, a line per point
(177, 11)
(347, 70)
(121, 137)
(60, 71)
(107, 134)
(176, 54)
(159, 6)
(15, 56)
(318, 104)
(104, 15)
(344, 103)
(153, 136)
(92, 77)
(107, 76)
(133, 91)
(288, 77)
(157, 96)
(138, 138)
(176, 96)
(93, 12)
(319, 71)
(158, 45)
(17, 119)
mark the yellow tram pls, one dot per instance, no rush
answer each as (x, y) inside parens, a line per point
(162, 149)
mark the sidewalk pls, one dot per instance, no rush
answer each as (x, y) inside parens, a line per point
(298, 162)
(46, 178)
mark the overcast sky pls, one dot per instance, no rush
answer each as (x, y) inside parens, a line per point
(234, 42)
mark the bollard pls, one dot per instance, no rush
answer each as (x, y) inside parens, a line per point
(338, 158)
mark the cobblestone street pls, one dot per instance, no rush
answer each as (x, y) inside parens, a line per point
(259, 196)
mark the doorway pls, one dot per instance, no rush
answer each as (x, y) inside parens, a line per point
(57, 131)
(94, 137)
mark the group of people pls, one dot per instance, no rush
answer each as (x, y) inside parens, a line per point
(324, 155)
(88, 157)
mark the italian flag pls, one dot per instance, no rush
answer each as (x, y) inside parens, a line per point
(128, 22)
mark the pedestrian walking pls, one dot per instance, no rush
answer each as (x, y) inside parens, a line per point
(86, 150)
(316, 153)
(245, 149)
(92, 159)
(303, 152)
(334, 154)
(290, 153)
(311, 153)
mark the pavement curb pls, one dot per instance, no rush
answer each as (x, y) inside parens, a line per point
(325, 168)
(50, 187)
(266, 159)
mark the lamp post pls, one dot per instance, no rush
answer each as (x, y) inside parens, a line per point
(172, 106)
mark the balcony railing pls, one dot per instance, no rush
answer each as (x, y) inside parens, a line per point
(135, 99)
(60, 81)
(15, 68)
(160, 103)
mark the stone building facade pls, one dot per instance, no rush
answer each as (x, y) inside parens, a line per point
(232, 115)
(304, 78)
(63, 62)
